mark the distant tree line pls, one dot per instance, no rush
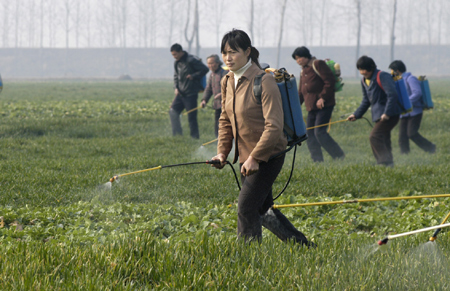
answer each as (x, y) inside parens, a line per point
(196, 23)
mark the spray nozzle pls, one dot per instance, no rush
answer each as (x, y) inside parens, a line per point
(383, 241)
(433, 238)
(114, 178)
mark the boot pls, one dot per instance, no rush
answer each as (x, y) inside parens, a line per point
(279, 225)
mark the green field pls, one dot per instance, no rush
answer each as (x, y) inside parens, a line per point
(62, 228)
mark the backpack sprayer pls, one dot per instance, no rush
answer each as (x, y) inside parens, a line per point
(294, 124)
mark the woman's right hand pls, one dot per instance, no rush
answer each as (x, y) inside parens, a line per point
(221, 158)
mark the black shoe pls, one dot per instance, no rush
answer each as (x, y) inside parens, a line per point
(311, 245)
(386, 164)
(433, 149)
(279, 225)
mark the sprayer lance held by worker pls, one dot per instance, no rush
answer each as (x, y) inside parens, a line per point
(209, 162)
(386, 239)
(435, 234)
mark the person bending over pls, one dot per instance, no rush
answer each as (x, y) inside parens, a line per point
(384, 106)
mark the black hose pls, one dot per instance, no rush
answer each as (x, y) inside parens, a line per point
(235, 175)
(371, 125)
(290, 176)
(210, 162)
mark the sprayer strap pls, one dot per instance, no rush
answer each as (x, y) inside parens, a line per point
(315, 70)
(381, 86)
(257, 87)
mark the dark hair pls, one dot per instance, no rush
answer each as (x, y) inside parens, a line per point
(239, 39)
(176, 48)
(366, 63)
(398, 65)
(301, 52)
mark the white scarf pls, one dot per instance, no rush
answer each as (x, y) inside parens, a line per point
(238, 73)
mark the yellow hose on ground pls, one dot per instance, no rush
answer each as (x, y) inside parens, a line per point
(360, 201)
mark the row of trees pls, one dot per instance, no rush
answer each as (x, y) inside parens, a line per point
(196, 23)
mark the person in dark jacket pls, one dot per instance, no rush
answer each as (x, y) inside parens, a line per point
(316, 90)
(384, 106)
(213, 88)
(189, 70)
(410, 122)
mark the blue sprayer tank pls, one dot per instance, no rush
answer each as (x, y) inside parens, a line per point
(403, 96)
(1, 84)
(426, 93)
(294, 125)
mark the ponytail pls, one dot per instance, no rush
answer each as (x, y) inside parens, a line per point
(254, 55)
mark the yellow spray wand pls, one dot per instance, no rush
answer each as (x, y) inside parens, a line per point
(386, 239)
(210, 162)
(360, 200)
(192, 110)
(433, 238)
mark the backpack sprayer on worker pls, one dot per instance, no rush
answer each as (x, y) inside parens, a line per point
(294, 125)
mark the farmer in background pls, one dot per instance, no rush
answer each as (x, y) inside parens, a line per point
(256, 128)
(189, 71)
(316, 90)
(410, 122)
(213, 88)
(384, 106)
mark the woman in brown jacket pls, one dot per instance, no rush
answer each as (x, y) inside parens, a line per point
(256, 128)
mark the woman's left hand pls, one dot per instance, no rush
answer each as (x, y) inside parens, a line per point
(250, 166)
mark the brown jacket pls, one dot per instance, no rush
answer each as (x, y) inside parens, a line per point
(256, 126)
(313, 87)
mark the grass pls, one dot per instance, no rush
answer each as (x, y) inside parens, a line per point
(174, 228)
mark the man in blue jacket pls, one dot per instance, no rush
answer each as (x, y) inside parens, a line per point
(410, 122)
(385, 108)
(189, 70)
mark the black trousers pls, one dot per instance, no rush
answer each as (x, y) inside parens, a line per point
(380, 140)
(254, 207)
(256, 198)
(319, 138)
(184, 102)
(409, 130)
